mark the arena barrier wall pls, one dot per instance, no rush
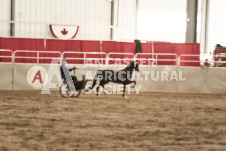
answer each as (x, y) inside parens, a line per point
(6, 79)
(180, 79)
(190, 79)
(29, 76)
(183, 79)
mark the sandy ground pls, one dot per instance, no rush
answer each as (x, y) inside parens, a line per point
(148, 121)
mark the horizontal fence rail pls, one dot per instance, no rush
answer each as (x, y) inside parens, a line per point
(46, 57)
(6, 55)
(35, 56)
(154, 58)
(84, 57)
(218, 60)
(117, 57)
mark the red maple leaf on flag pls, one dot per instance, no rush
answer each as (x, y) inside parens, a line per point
(64, 31)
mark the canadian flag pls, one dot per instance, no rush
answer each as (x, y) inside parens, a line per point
(64, 31)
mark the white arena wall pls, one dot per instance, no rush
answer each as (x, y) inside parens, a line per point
(5, 6)
(179, 79)
(6, 76)
(94, 17)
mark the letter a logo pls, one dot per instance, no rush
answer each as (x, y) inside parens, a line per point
(38, 76)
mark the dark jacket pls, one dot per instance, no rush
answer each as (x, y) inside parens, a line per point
(138, 46)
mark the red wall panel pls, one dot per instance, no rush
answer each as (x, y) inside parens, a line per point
(188, 48)
(118, 47)
(107, 46)
(21, 44)
(165, 48)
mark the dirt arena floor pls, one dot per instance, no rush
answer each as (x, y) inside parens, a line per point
(148, 121)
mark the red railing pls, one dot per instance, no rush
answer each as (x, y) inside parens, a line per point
(6, 56)
(26, 56)
(46, 57)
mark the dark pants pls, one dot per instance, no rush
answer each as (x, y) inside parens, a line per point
(74, 79)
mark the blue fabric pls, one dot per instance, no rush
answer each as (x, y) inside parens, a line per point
(64, 60)
(65, 72)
